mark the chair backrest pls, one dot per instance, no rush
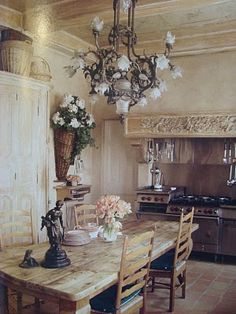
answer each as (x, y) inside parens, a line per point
(84, 214)
(134, 267)
(184, 241)
(16, 228)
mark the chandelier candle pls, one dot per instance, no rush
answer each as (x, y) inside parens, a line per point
(126, 80)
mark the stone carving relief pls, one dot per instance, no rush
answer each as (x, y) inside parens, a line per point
(188, 126)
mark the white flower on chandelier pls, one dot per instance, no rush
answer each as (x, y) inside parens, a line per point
(176, 72)
(75, 123)
(155, 93)
(78, 63)
(162, 86)
(57, 119)
(126, 4)
(123, 63)
(80, 103)
(170, 39)
(162, 62)
(142, 102)
(143, 77)
(122, 106)
(97, 24)
(102, 88)
(116, 75)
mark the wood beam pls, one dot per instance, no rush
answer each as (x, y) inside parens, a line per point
(79, 13)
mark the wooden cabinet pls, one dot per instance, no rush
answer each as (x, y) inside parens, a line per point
(72, 192)
(23, 145)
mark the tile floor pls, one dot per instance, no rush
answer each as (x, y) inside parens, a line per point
(211, 289)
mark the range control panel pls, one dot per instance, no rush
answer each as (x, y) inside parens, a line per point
(199, 211)
(148, 198)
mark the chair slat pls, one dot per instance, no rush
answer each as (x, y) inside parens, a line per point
(134, 288)
(135, 277)
(139, 252)
(85, 213)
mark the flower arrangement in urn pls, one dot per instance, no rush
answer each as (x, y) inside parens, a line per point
(111, 209)
(72, 131)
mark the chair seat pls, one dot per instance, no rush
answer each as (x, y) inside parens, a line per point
(164, 262)
(106, 301)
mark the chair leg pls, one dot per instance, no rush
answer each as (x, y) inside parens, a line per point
(172, 294)
(184, 284)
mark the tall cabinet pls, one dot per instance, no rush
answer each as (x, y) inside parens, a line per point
(23, 146)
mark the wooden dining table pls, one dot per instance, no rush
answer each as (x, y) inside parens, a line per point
(94, 267)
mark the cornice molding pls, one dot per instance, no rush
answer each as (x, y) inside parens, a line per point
(175, 126)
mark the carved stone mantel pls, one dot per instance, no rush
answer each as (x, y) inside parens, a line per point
(166, 126)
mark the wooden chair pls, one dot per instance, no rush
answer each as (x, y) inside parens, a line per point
(129, 295)
(16, 229)
(84, 214)
(173, 264)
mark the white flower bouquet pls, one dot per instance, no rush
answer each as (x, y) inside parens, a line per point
(72, 116)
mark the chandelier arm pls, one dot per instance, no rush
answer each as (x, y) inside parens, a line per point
(116, 32)
(152, 68)
(96, 35)
(130, 34)
(132, 29)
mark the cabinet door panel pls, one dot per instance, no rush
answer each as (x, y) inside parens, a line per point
(23, 130)
(7, 171)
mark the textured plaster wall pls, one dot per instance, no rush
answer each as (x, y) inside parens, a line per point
(207, 85)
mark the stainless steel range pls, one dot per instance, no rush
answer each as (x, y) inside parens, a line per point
(206, 214)
(216, 217)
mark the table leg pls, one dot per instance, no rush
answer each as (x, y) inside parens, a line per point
(74, 307)
(3, 299)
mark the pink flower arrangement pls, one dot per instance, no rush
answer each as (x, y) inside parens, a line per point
(111, 208)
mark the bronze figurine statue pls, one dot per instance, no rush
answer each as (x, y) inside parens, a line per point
(54, 223)
(28, 260)
(55, 257)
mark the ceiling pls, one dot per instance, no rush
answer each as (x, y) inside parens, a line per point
(199, 25)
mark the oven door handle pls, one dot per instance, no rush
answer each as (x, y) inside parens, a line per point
(217, 219)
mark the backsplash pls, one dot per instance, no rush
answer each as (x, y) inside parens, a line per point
(197, 165)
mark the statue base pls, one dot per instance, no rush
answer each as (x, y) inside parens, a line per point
(55, 258)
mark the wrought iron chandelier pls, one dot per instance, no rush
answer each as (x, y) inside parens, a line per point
(126, 80)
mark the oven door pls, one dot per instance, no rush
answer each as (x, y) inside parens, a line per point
(206, 238)
(228, 236)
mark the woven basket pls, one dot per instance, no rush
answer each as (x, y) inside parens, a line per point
(40, 69)
(12, 34)
(63, 143)
(15, 56)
